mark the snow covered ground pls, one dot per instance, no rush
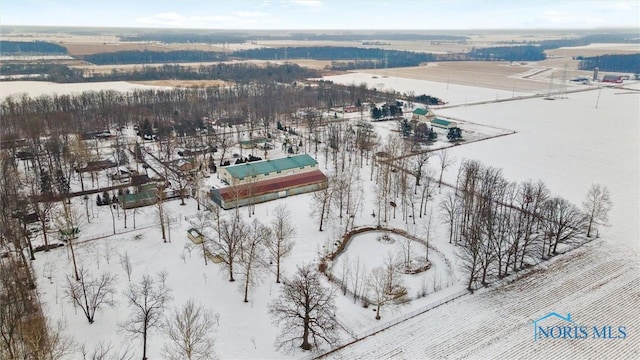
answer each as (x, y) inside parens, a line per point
(37, 88)
(597, 284)
(568, 143)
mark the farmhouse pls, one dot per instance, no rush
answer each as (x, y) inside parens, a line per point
(444, 124)
(420, 114)
(266, 180)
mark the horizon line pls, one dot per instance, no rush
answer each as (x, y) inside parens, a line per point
(604, 28)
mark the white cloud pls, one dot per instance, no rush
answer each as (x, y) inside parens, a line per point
(309, 3)
(561, 19)
(250, 14)
(164, 19)
(238, 19)
(622, 5)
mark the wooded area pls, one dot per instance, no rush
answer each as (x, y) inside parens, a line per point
(618, 63)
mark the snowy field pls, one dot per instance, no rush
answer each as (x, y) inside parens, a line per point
(37, 88)
(597, 284)
(453, 94)
(568, 143)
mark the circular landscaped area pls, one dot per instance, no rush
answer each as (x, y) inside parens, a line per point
(368, 248)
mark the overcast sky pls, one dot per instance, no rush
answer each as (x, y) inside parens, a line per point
(324, 14)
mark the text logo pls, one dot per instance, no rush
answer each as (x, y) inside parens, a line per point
(555, 326)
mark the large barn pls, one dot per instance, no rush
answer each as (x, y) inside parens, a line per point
(265, 180)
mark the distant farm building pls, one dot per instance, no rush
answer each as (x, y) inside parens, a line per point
(266, 180)
(443, 124)
(420, 114)
(351, 109)
(617, 79)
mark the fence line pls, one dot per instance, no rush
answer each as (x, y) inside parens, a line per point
(379, 328)
(92, 237)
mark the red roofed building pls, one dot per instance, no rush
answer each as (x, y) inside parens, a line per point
(269, 189)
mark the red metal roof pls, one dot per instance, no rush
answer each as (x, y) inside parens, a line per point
(271, 185)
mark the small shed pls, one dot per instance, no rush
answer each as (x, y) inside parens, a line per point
(195, 236)
(139, 199)
(443, 124)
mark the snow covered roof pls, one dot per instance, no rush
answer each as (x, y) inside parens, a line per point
(441, 122)
(264, 167)
(420, 111)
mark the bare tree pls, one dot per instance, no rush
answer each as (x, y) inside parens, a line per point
(125, 262)
(251, 252)
(203, 220)
(107, 351)
(225, 141)
(322, 200)
(358, 275)
(596, 206)
(43, 209)
(91, 293)
(181, 180)
(470, 254)
(231, 234)
(147, 301)
(305, 311)
(68, 223)
(188, 330)
(418, 163)
(446, 160)
(281, 243)
(562, 223)
(161, 213)
(46, 341)
(531, 197)
(384, 285)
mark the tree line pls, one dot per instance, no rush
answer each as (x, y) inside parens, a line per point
(238, 37)
(229, 72)
(508, 53)
(393, 58)
(629, 63)
(94, 111)
(30, 48)
(504, 226)
(150, 57)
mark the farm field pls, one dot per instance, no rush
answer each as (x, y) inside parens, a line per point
(598, 284)
(595, 50)
(529, 78)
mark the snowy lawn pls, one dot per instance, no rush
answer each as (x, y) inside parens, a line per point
(568, 143)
